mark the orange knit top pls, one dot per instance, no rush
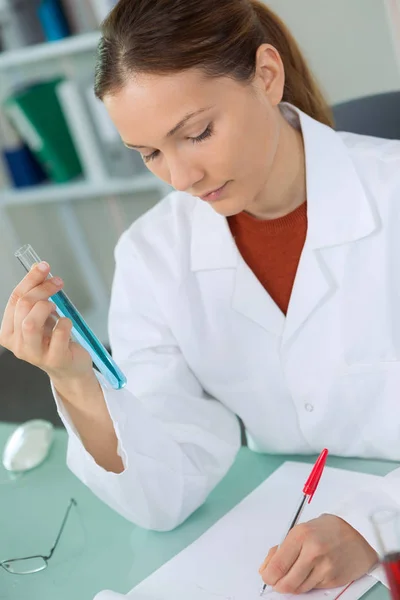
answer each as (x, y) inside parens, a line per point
(272, 249)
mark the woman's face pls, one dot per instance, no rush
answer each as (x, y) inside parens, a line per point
(213, 138)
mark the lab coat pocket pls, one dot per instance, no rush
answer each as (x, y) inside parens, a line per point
(369, 394)
(370, 319)
(377, 368)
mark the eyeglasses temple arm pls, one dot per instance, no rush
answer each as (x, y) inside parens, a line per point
(71, 504)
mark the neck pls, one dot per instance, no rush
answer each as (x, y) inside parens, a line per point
(285, 188)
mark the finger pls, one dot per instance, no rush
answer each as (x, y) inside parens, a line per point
(267, 559)
(311, 582)
(25, 304)
(59, 342)
(35, 277)
(296, 576)
(33, 329)
(282, 561)
(50, 324)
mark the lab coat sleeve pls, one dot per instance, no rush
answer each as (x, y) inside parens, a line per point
(176, 443)
(358, 508)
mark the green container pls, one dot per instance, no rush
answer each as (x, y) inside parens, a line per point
(37, 114)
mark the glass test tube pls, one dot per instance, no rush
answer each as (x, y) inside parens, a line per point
(81, 332)
(386, 523)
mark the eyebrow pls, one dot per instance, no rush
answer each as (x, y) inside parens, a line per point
(176, 128)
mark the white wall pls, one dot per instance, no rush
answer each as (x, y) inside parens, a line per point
(348, 44)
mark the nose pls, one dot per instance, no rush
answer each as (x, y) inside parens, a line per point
(183, 175)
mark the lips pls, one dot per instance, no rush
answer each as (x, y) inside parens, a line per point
(213, 194)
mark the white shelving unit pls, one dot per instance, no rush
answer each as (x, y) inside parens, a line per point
(78, 190)
(50, 51)
(40, 60)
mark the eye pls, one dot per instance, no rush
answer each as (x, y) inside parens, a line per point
(203, 136)
(147, 158)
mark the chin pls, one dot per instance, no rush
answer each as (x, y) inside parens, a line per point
(227, 208)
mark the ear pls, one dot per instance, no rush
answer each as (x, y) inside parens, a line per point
(270, 73)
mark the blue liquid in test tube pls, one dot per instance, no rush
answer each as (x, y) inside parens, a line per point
(81, 331)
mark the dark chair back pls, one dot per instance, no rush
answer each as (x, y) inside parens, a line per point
(377, 115)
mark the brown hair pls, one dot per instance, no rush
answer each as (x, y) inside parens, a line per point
(221, 37)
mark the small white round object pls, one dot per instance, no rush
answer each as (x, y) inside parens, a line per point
(28, 445)
(309, 407)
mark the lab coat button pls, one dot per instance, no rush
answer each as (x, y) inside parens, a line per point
(309, 407)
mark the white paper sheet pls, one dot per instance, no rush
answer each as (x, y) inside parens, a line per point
(223, 563)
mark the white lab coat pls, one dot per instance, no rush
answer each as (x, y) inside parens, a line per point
(201, 341)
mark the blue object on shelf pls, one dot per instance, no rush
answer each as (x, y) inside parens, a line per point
(23, 168)
(53, 20)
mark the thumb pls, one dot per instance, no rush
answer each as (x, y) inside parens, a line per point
(270, 554)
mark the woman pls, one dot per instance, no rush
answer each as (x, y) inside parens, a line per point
(264, 287)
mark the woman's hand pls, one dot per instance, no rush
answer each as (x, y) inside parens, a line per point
(323, 553)
(31, 331)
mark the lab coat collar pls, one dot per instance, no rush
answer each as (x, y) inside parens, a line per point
(213, 246)
(338, 210)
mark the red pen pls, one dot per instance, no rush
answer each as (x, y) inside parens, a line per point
(308, 492)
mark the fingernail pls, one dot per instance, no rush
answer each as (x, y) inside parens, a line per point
(263, 566)
(57, 280)
(43, 266)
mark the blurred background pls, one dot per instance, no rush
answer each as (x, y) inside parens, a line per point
(70, 188)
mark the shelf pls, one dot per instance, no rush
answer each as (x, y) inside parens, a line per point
(78, 190)
(49, 50)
